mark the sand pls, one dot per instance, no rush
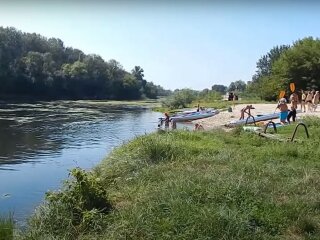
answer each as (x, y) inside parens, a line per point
(224, 117)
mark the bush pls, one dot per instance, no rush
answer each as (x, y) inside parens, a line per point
(180, 99)
(80, 207)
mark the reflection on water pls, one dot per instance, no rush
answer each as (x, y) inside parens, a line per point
(40, 142)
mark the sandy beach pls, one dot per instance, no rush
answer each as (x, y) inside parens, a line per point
(224, 117)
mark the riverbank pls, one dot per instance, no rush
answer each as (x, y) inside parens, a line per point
(195, 185)
(224, 117)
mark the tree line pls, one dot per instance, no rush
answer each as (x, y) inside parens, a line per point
(298, 63)
(39, 68)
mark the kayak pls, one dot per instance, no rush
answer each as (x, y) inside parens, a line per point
(192, 115)
(257, 118)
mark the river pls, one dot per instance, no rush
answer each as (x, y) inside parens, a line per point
(40, 142)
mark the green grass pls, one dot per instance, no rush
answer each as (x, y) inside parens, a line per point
(6, 227)
(210, 185)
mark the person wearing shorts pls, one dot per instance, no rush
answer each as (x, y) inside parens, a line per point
(283, 107)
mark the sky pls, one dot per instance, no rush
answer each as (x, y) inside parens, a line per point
(179, 44)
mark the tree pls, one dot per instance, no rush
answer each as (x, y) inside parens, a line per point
(32, 65)
(137, 72)
(237, 86)
(219, 88)
(264, 64)
(181, 98)
(300, 65)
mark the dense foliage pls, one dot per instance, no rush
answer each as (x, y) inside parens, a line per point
(299, 64)
(219, 88)
(182, 98)
(34, 66)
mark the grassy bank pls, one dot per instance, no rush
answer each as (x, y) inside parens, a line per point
(6, 227)
(193, 185)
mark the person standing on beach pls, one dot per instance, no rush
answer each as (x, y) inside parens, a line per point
(247, 110)
(315, 100)
(309, 100)
(292, 113)
(283, 107)
(303, 101)
(166, 120)
(294, 100)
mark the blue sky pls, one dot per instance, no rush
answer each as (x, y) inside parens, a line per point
(181, 44)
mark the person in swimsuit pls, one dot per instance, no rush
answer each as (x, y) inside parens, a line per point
(294, 100)
(315, 100)
(303, 101)
(283, 107)
(292, 113)
(246, 110)
(166, 120)
(309, 100)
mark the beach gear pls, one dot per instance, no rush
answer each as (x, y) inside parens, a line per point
(292, 87)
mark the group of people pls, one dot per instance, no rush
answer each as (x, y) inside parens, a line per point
(232, 97)
(167, 121)
(308, 98)
(311, 99)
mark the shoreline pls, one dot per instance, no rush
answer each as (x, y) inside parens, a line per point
(224, 117)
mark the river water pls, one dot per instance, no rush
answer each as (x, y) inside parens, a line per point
(40, 142)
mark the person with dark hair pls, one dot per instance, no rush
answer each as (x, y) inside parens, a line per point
(230, 98)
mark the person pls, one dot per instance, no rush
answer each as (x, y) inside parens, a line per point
(309, 100)
(230, 98)
(315, 100)
(235, 97)
(283, 107)
(198, 127)
(303, 101)
(247, 110)
(174, 124)
(166, 120)
(292, 113)
(294, 100)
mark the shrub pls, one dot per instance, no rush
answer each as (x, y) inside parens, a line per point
(80, 207)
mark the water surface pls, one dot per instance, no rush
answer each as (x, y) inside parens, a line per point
(40, 142)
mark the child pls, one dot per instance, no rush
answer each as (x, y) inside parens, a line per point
(283, 107)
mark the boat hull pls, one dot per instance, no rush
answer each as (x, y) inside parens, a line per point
(258, 118)
(192, 116)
